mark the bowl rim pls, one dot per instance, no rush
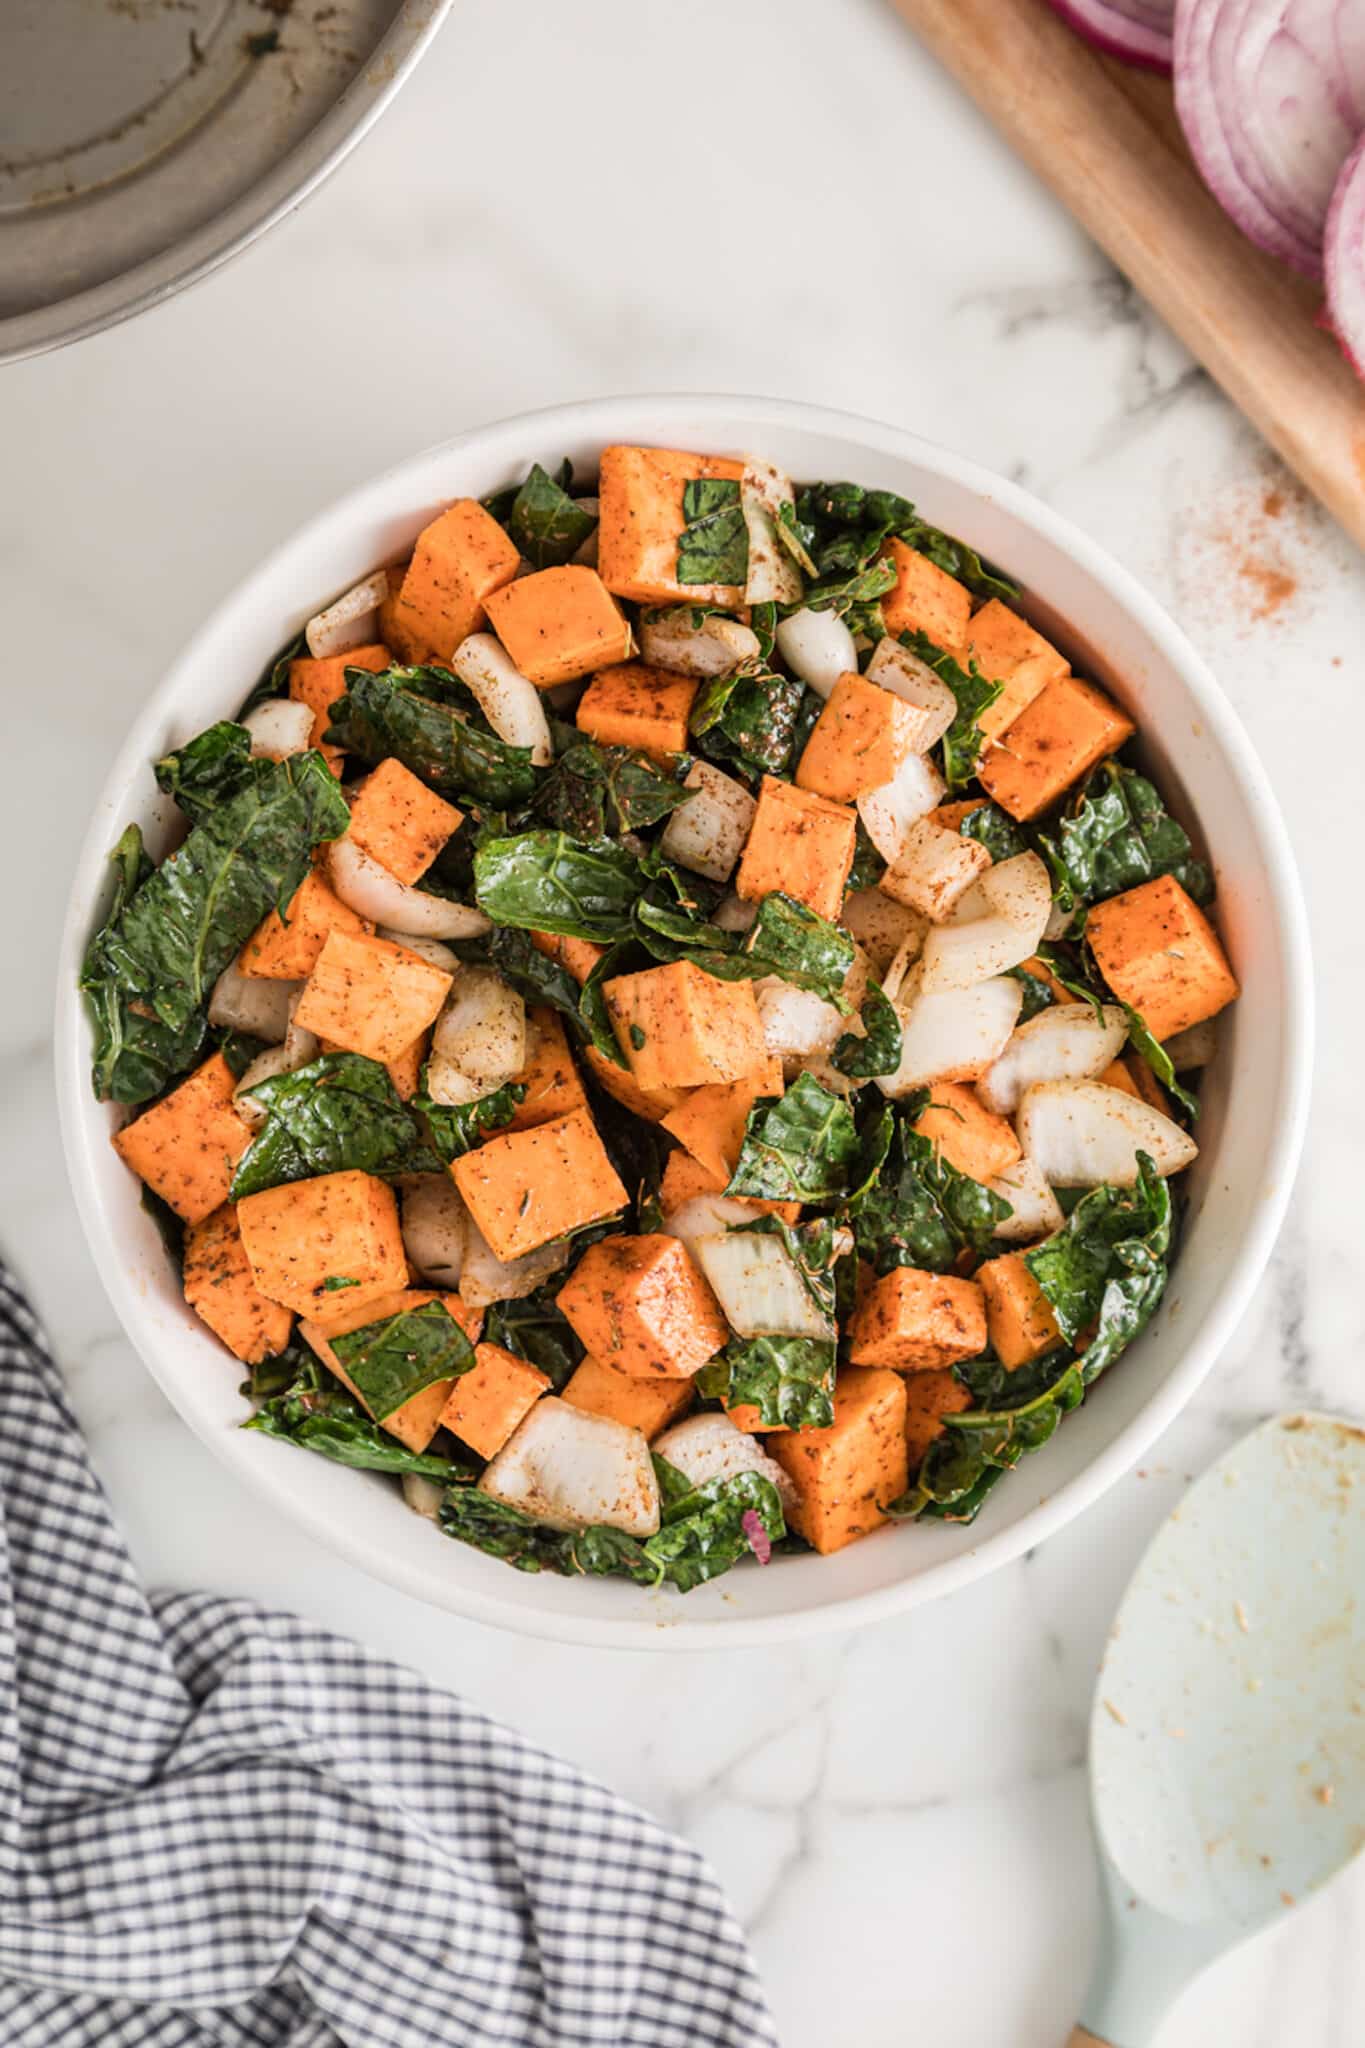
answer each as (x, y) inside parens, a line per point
(601, 420)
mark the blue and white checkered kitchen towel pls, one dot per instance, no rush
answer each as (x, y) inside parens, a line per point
(225, 1826)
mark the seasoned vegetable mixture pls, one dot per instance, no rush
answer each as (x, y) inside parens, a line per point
(670, 1024)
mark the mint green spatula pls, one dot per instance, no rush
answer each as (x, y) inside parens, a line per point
(1227, 1739)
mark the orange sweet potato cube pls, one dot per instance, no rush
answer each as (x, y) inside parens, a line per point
(186, 1146)
(549, 1077)
(220, 1289)
(1157, 950)
(1018, 1313)
(416, 1421)
(1008, 651)
(487, 1403)
(579, 956)
(929, 1396)
(1040, 971)
(801, 843)
(640, 497)
(457, 564)
(558, 624)
(681, 1028)
(846, 1476)
(525, 1187)
(653, 1104)
(319, 681)
(399, 822)
(711, 1121)
(405, 1072)
(371, 996)
(951, 816)
(1134, 1077)
(646, 1405)
(1069, 726)
(686, 1177)
(926, 599)
(633, 705)
(914, 1321)
(642, 1306)
(286, 948)
(337, 1226)
(967, 1134)
(857, 743)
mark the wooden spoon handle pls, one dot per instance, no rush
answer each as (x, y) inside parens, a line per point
(1082, 2039)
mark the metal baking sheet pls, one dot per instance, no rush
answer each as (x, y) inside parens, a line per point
(143, 142)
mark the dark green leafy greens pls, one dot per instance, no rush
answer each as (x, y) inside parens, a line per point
(713, 546)
(399, 1357)
(786, 939)
(845, 525)
(798, 1147)
(535, 1328)
(921, 1211)
(207, 769)
(148, 973)
(1117, 834)
(1158, 1059)
(749, 718)
(789, 1380)
(878, 1050)
(597, 792)
(964, 739)
(313, 1410)
(549, 882)
(548, 526)
(455, 1128)
(995, 829)
(450, 749)
(339, 1114)
(273, 681)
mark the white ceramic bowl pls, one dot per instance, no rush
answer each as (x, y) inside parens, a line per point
(1238, 1187)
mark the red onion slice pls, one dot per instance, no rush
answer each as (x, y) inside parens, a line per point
(1344, 248)
(1139, 31)
(1271, 96)
(755, 1535)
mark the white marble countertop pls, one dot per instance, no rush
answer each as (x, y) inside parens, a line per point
(784, 196)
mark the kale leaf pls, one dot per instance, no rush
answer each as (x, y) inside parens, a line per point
(978, 1446)
(148, 973)
(1118, 834)
(535, 1328)
(598, 792)
(504, 1532)
(995, 829)
(339, 1114)
(452, 750)
(207, 769)
(713, 546)
(748, 717)
(548, 526)
(964, 739)
(399, 1357)
(798, 1147)
(456, 1128)
(549, 882)
(314, 1411)
(921, 1211)
(789, 1380)
(878, 1049)
(709, 1528)
(845, 525)
(786, 939)
(1105, 1270)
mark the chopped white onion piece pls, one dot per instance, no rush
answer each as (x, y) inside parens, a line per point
(430, 950)
(252, 1003)
(350, 620)
(818, 647)
(914, 682)
(280, 1059)
(710, 1447)
(423, 1495)
(481, 1030)
(997, 924)
(1193, 1047)
(570, 1470)
(773, 577)
(733, 914)
(1034, 1210)
(712, 647)
(935, 869)
(888, 812)
(824, 1071)
(761, 1293)
(881, 926)
(1080, 1133)
(485, 1278)
(279, 727)
(704, 1216)
(708, 832)
(435, 1227)
(372, 892)
(507, 700)
(899, 967)
(1067, 1042)
(797, 1022)
(448, 1085)
(952, 1036)
(1021, 890)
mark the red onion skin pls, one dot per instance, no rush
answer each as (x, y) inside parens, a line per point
(751, 1522)
(1105, 28)
(1344, 251)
